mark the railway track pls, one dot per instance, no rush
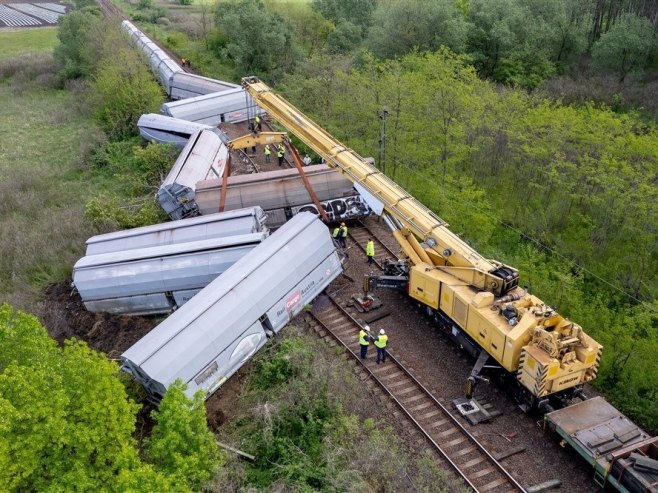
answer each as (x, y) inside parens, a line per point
(360, 235)
(446, 435)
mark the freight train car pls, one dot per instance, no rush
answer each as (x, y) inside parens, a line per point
(203, 157)
(220, 225)
(156, 279)
(184, 85)
(215, 333)
(282, 194)
(232, 106)
(621, 453)
(162, 129)
(162, 65)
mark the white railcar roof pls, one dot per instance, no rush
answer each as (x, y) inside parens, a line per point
(191, 337)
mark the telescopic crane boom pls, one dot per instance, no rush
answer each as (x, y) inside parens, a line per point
(477, 299)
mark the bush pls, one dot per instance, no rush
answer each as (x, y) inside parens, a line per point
(145, 4)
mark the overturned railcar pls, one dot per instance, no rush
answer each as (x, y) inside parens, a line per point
(203, 157)
(220, 225)
(162, 65)
(282, 194)
(232, 106)
(157, 279)
(184, 85)
(215, 333)
(162, 129)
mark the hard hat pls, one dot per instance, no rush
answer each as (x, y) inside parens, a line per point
(366, 328)
(342, 224)
(382, 332)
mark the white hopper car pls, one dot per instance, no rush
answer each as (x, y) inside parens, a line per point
(162, 129)
(216, 332)
(232, 106)
(157, 279)
(220, 225)
(203, 157)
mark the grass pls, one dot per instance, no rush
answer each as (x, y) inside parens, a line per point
(19, 42)
(43, 183)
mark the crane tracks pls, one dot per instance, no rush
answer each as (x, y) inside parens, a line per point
(446, 435)
(360, 235)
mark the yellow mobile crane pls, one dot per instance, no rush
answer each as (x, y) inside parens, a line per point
(477, 300)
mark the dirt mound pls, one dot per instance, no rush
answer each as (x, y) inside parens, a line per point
(64, 316)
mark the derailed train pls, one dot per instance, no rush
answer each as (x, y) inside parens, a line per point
(210, 337)
(156, 269)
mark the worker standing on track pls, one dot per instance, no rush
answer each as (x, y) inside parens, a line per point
(380, 343)
(335, 234)
(267, 152)
(280, 152)
(364, 341)
(370, 251)
(342, 236)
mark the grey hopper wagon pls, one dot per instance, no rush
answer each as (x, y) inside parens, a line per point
(162, 65)
(282, 194)
(214, 334)
(162, 129)
(184, 85)
(220, 225)
(156, 279)
(231, 106)
(203, 157)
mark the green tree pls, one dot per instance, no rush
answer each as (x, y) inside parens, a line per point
(123, 90)
(73, 32)
(67, 422)
(344, 38)
(402, 25)
(181, 444)
(358, 12)
(626, 47)
(259, 42)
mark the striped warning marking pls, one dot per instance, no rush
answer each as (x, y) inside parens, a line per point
(46, 15)
(12, 18)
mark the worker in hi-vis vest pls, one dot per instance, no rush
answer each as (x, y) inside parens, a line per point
(280, 152)
(342, 236)
(364, 340)
(380, 343)
(267, 151)
(370, 251)
(335, 234)
(257, 125)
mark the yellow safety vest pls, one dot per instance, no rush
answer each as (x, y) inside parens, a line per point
(281, 151)
(362, 338)
(370, 249)
(335, 233)
(267, 150)
(381, 341)
(344, 231)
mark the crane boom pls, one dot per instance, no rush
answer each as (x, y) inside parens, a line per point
(449, 250)
(551, 356)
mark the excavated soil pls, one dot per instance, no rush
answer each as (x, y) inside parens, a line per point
(65, 316)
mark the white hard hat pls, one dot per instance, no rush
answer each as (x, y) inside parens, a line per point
(366, 328)
(382, 331)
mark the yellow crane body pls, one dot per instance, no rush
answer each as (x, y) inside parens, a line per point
(547, 352)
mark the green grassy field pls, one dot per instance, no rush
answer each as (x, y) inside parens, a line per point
(43, 178)
(19, 42)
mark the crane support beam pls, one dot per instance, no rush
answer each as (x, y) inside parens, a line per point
(431, 230)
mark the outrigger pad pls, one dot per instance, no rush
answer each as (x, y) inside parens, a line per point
(475, 411)
(367, 303)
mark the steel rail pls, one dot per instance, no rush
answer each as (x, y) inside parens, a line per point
(445, 455)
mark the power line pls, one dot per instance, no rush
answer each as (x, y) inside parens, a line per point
(535, 241)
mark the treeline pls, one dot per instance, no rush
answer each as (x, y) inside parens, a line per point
(516, 42)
